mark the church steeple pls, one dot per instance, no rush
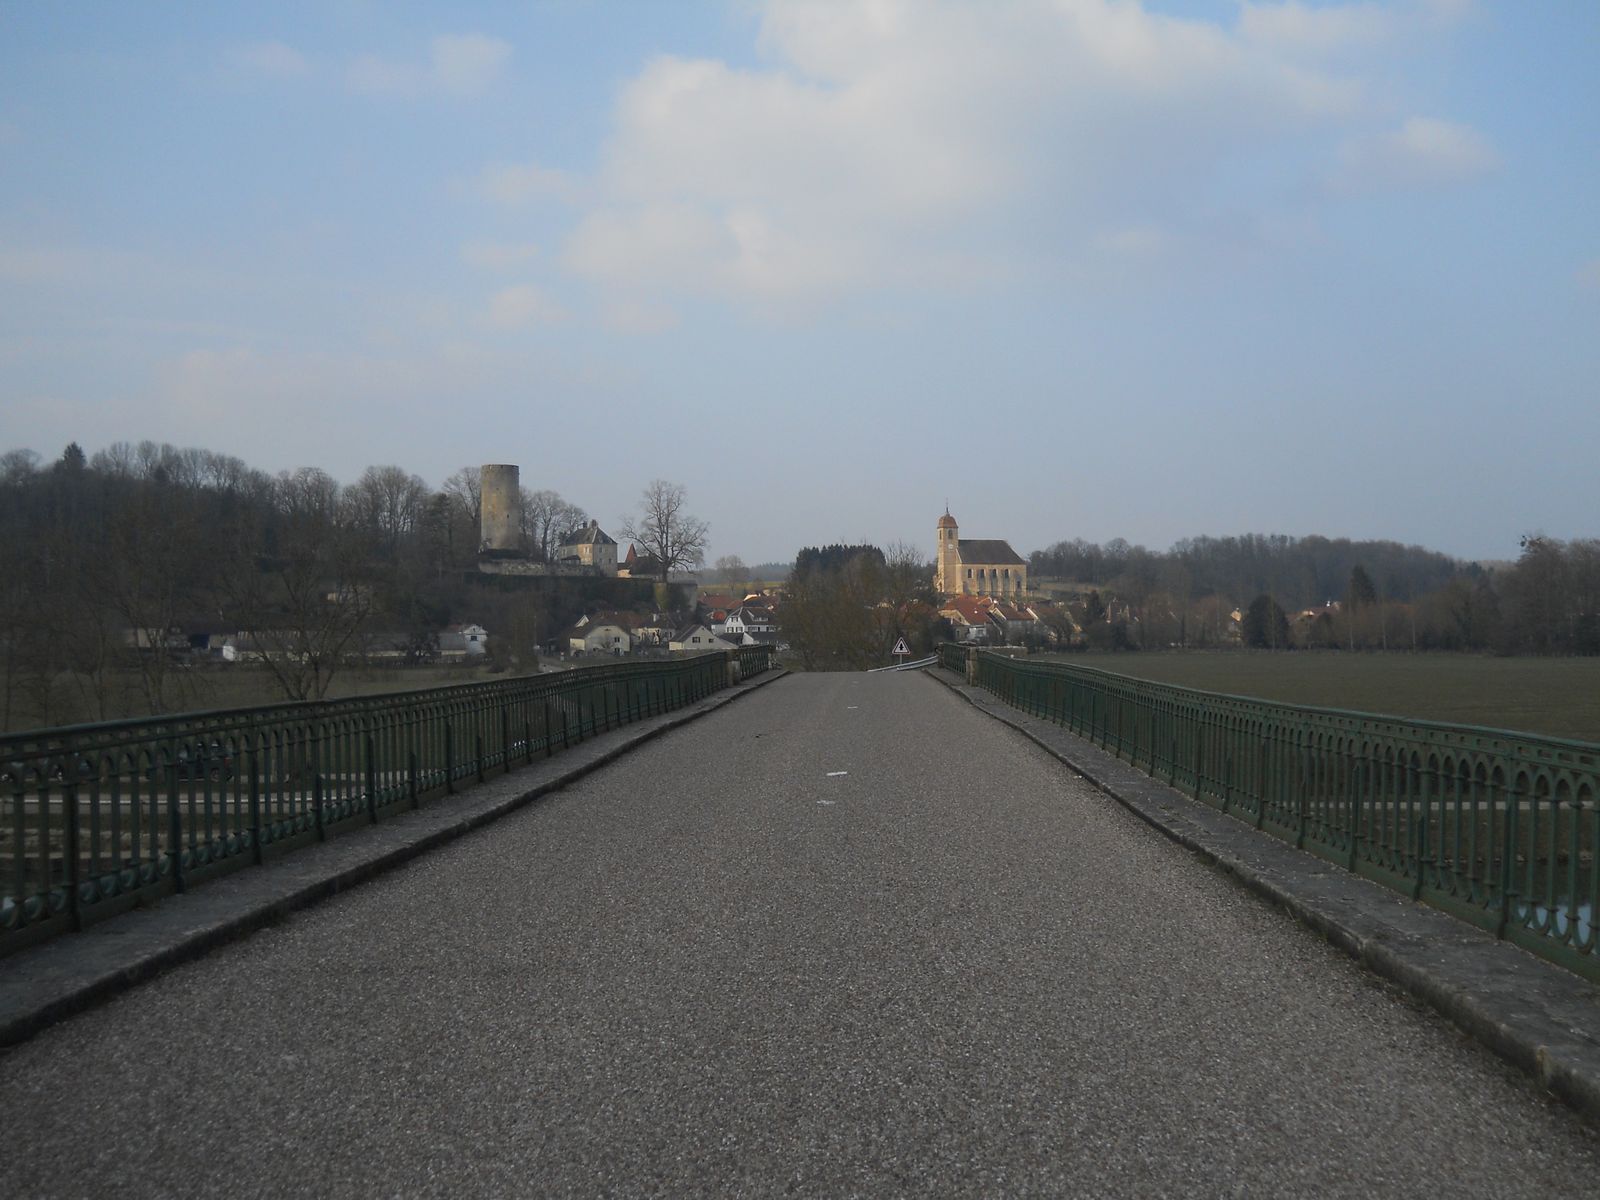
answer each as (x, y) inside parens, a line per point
(947, 574)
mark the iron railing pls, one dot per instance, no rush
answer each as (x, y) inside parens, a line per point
(1499, 828)
(97, 818)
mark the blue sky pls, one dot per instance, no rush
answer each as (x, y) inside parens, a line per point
(1081, 268)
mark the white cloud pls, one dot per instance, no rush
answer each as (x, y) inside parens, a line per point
(523, 305)
(518, 183)
(1294, 25)
(905, 142)
(374, 76)
(467, 64)
(635, 316)
(937, 143)
(498, 256)
(460, 65)
(1423, 152)
(274, 59)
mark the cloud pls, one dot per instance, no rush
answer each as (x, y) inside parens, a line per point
(634, 316)
(273, 59)
(467, 64)
(518, 183)
(1423, 152)
(458, 65)
(1294, 25)
(917, 142)
(498, 256)
(521, 306)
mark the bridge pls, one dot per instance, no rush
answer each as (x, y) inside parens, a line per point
(823, 934)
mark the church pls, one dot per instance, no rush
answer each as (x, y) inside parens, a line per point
(977, 566)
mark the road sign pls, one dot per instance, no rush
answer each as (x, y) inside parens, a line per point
(901, 648)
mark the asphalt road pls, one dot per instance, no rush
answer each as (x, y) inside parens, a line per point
(720, 967)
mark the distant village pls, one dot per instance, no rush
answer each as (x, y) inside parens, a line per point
(982, 590)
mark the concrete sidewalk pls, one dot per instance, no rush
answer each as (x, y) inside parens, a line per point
(1539, 1017)
(70, 973)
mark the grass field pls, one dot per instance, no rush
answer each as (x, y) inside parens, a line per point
(1555, 696)
(241, 686)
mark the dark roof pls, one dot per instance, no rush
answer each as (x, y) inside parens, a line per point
(988, 551)
(589, 535)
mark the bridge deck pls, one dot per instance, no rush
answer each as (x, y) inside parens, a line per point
(717, 966)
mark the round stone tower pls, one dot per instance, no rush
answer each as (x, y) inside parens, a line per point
(500, 501)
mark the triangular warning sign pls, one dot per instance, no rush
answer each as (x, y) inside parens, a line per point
(900, 647)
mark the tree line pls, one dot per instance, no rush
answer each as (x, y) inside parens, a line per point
(108, 554)
(1333, 593)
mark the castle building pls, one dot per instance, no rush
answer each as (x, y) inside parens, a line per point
(589, 546)
(977, 566)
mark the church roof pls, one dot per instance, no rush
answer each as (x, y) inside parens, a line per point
(987, 551)
(947, 521)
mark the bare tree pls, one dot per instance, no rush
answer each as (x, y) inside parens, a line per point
(668, 534)
(388, 501)
(308, 600)
(546, 517)
(731, 569)
(465, 490)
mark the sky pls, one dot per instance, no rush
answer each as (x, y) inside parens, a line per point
(1076, 268)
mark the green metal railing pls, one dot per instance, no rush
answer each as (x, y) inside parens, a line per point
(97, 818)
(1499, 828)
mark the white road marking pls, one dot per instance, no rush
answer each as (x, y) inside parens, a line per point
(835, 774)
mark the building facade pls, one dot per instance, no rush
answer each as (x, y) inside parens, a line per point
(977, 566)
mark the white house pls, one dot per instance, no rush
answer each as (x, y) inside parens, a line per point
(749, 618)
(463, 641)
(599, 636)
(698, 637)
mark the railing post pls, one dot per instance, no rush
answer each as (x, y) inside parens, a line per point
(1358, 772)
(477, 752)
(316, 807)
(1261, 783)
(449, 758)
(69, 796)
(505, 737)
(411, 779)
(549, 735)
(256, 853)
(1508, 861)
(174, 828)
(372, 779)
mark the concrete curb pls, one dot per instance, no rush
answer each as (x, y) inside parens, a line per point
(1538, 1017)
(68, 974)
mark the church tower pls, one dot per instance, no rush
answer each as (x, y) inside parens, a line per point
(947, 575)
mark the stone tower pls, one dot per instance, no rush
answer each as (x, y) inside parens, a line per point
(947, 575)
(500, 502)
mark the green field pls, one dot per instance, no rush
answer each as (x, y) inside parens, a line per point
(1555, 696)
(233, 686)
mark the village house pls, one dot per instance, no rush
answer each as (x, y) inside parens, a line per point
(603, 635)
(463, 641)
(968, 617)
(698, 637)
(639, 566)
(748, 618)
